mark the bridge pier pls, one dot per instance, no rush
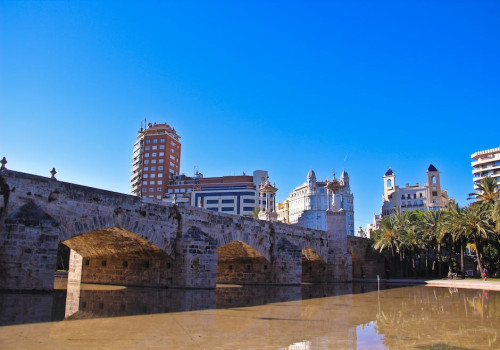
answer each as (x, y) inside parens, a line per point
(28, 244)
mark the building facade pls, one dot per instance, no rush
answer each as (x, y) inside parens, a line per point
(486, 163)
(237, 195)
(307, 204)
(156, 159)
(430, 196)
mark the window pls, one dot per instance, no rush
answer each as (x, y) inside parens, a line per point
(249, 201)
(162, 154)
(146, 168)
(162, 140)
(408, 196)
(153, 154)
(160, 174)
(176, 190)
(155, 147)
(158, 189)
(155, 140)
(434, 193)
(151, 196)
(148, 141)
(162, 146)
(151, 189)
(212, 201)
(153, 168)
(159, 182)
(147, 148)
(189, 189)
(161, 161)
(172, 164)
(228, 201)
(414, 195)
(172, 157)
(145, 176)
(158, 197)
(170, 190)
(146, 161)
(144, 190)
(420, 195)
(144, 182)
(160, 167)
(151, 182)
(153, 175)
(402, 196)
(153, 161)
(228, 209)
(146, 154)
(172, 143)
(389, 183)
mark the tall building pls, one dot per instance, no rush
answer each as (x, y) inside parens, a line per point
(307, 204)
(430, 196)
(156, 159)
(238, 194)
(486, 163)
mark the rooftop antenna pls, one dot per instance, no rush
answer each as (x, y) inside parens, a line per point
(196, 169)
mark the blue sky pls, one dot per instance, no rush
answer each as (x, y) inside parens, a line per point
(274, 85)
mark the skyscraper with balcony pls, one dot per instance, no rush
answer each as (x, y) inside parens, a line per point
(156, 159)
(486, 163)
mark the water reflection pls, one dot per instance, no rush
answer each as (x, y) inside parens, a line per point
(94, 301)
(288, 317)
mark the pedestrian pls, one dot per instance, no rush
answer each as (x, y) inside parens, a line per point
(485, 274)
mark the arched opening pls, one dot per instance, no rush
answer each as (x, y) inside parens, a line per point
(389, 183)
(358, 270)
(314, 268)
(118, 256)
(239, 263)
(433, 179)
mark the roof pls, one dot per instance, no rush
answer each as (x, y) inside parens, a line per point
(344, 174)
(311, 175)
(389, 172)
(432, 168)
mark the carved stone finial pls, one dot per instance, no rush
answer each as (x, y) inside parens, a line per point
(3, 162)
(53, 172)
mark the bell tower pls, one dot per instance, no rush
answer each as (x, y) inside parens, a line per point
(389, 184)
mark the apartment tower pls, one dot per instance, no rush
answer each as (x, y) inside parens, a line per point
(156, 159)
(486, 163)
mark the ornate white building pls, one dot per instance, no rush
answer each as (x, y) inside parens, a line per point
(307, 204)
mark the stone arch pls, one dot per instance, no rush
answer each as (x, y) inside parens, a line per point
(239, 263)
(314, 268)
(358, 268)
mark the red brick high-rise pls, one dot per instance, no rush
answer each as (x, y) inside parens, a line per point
(157, 157)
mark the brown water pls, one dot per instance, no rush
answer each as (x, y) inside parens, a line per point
(336, 316)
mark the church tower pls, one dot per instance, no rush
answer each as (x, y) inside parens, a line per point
(389, 184)
(434, 187)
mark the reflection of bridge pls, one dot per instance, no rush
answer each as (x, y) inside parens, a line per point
(122, 239)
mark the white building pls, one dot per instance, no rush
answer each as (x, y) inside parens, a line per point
(307, 203)
(234, 194)
(486, 163)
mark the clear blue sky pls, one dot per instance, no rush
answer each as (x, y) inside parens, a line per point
(275, 85)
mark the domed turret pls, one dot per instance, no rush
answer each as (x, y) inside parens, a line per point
(311, 176)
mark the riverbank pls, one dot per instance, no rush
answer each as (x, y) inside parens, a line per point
(455, 283)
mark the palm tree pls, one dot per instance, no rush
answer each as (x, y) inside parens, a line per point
(476, 223)
(487, 191)
(434, 226)
(454, 227)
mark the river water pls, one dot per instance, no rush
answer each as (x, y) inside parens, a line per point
(333, 316)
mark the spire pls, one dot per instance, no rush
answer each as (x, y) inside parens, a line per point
(432, 168)
(389, 172)
(344, 174)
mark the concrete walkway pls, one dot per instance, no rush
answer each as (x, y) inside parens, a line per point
(455, 283)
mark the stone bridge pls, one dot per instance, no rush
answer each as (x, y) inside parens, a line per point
(122, 239)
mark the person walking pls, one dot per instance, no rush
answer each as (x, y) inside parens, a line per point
(485, 274)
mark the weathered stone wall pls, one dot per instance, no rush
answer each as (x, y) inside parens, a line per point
(368, 261)
(37, 213)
